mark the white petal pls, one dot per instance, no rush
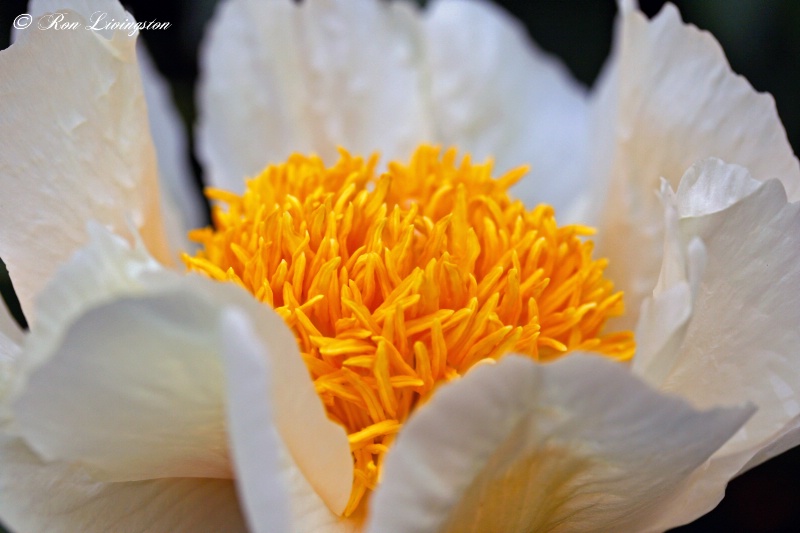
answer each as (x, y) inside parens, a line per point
(59, 498)
(577, 445)
(742, 340)
(280, 78)
(668, 99)
(494, 94)
(182, 208)
(276, 496)
(76, 147)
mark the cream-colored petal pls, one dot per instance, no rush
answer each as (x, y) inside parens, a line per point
(134, 391)
(741, 342)
(11, 338)
(279, 77)
(76, 147)
(265, 497)
(105, 268)
(711, 186)
(181, 205)
(576, 445)
(59, 498)
(9, 329)
(318, 446)
(665, 315)
(118, 384)
(155, 335)
(661, 329)
(743, 337)
(247, 115)
(275, 494)
(86, 8)
(667, 99)
(495, 94)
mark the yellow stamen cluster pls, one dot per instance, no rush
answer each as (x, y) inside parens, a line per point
(395, 283)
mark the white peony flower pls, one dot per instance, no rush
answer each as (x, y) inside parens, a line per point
(145, 399)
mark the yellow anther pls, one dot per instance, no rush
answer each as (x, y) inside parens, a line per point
(398, 282)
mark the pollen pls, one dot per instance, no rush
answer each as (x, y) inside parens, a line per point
(395, 282)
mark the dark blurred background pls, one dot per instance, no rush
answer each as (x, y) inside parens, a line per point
(762, 42)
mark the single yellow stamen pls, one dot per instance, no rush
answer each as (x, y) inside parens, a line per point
(395, 283)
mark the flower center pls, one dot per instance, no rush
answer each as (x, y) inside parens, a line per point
(398, 282)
